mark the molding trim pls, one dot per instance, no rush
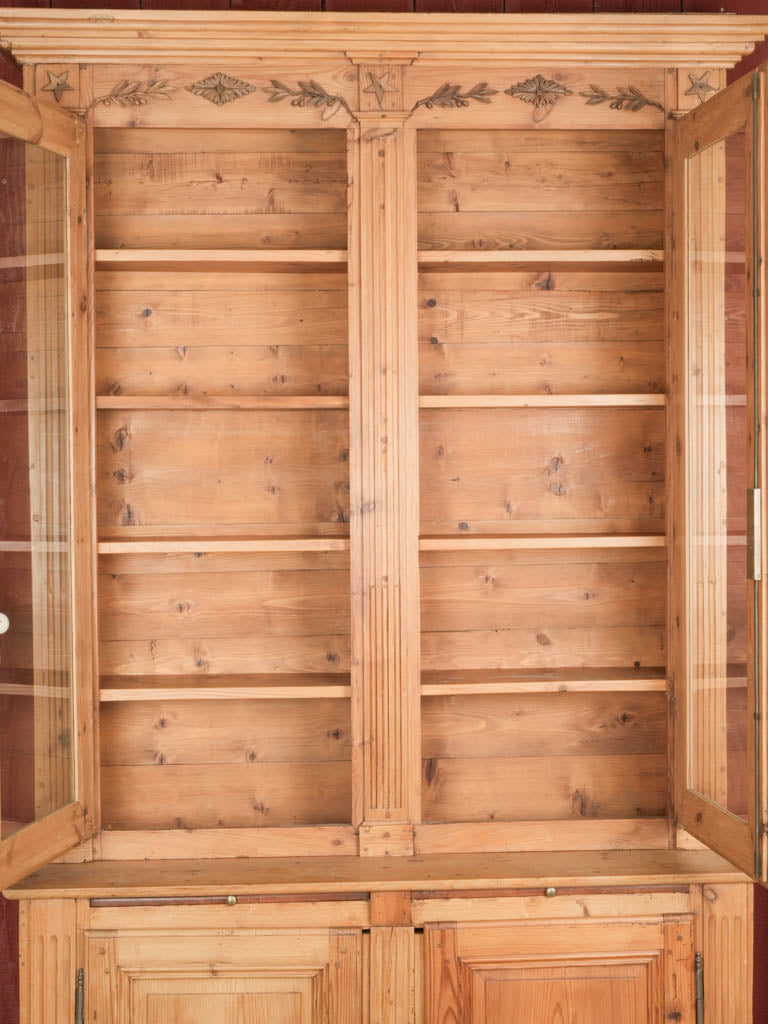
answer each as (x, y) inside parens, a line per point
(622, 40)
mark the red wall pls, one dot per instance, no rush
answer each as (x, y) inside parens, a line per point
(9, 986)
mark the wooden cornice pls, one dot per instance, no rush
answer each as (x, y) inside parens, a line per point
(607, 40)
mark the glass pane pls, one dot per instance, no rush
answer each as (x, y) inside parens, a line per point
(717, 474)
(36, 678)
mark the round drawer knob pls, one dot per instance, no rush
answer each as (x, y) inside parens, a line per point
(231, 901)
(550, 891)
(5, 623)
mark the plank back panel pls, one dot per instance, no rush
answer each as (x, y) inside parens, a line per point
(197, 334)
(265, 472)
(542, 471)
(208, 615)
(554, 189)
(543, 610)
(542, 332)
(220, 188)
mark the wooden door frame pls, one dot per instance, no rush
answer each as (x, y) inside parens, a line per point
(63, 133)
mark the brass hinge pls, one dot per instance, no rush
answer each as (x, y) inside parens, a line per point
(699, 972)
(754, 533)
(79, 1019)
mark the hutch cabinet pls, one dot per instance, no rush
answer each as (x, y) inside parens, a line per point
(381, 545)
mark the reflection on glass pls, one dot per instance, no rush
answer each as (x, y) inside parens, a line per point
(36, 705)
(716, 483)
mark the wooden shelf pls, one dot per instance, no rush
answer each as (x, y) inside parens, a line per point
(491, 542)
(456, 682)
(142, 546)
(50, 259)
(540, 401)
(30, 690)
(221, 259)
(254, 687)
(277, 403)
(540, 259)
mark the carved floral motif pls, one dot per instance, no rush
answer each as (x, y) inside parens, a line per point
(136, 94)
(629, 98)
(220, 88)
(540, 91)
(308, 94)
(451, 96)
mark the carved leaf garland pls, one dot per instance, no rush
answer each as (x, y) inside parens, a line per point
(448, 96)
(136, 94)
(308, 94)
(629, 98)
(220, 88)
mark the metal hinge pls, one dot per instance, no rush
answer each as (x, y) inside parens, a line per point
(754, 533)
(699, 973)
(79, 1019)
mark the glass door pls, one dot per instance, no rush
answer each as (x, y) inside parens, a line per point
(715, 526)
(46, 616)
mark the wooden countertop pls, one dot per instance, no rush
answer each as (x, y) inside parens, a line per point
(365, 874)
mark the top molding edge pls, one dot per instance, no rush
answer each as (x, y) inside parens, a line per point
(126, 36)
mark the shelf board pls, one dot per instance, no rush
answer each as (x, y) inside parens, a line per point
(473, 682)
(492, 542)
(221, 259)
(254, 687)
(655, 401)
(292, 875)
(142, 546)
(278, 403)
(541, 259)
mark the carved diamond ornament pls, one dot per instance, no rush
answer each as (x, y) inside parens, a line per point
(220, 88)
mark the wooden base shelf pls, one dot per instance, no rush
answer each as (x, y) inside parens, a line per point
(654, 401)
(267, 687)
(542, 259)
(221, 259)
(580, 680)
(492, 542)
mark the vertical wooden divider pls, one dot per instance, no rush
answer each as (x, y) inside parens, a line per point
(384, 480)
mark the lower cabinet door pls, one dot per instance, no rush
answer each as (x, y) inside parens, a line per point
(638, 971)
(244, 977)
